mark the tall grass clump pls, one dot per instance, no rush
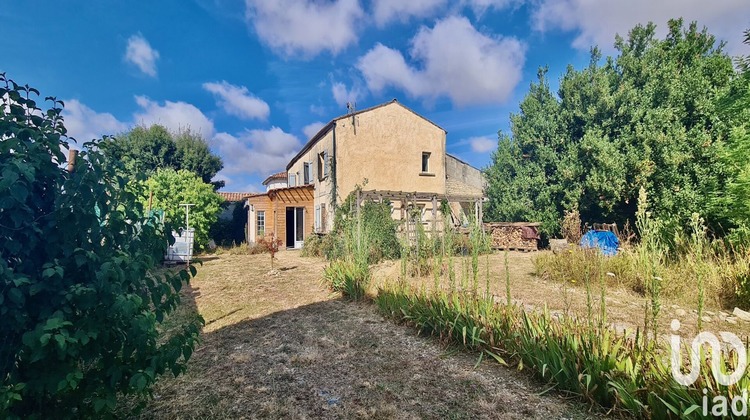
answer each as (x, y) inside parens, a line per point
(649, 261)
(622, 373)
(689, 268)
(698, 236)
(362, 235)
(348, 277)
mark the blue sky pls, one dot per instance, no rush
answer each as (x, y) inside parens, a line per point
(257, 78)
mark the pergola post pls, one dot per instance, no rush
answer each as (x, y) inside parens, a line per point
(359, 222)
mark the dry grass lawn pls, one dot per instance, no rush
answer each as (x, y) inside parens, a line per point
(279, 345)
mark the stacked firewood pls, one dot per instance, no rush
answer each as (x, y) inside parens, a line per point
(506, 236)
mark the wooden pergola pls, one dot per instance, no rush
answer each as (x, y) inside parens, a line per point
(407, 197)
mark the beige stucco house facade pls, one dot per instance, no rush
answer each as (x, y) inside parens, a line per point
(391, 152)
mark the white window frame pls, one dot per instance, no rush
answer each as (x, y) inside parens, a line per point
(322, 165)
(307, 173)
(425, 170)
(258, 233)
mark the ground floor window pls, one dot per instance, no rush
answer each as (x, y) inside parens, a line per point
(261, 224)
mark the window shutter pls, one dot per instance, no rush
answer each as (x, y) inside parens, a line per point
(325, 163)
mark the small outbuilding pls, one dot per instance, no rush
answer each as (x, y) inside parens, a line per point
(284, 213)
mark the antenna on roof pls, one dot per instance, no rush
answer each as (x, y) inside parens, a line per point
(351, 109)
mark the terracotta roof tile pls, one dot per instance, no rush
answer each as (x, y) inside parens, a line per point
(278, 175)
(235, 196)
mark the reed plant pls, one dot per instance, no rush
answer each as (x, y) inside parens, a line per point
(623, 373)
(507, 278)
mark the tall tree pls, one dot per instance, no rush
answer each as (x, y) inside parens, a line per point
(145, 150)
(647, 117)
(735, 109)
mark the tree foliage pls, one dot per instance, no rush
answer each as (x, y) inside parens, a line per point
(147, 149)
(171, 188)
(79, 300)
(735, 109)
(647, 117)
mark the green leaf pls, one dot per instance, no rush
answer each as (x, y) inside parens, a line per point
(496, 357)
(60, 339)
(19, 192)
(16, 296)
(99, 404)
(21, 281)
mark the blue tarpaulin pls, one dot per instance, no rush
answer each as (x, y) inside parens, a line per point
(603, 240)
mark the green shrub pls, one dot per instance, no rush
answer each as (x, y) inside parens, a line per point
(171, 188)
(230, 231)
(375, 218)
(80, 301)
(313, 246)
(349, 278)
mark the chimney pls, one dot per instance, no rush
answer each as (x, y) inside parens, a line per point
(72, 155)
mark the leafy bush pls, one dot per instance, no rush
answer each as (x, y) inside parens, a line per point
(221, 232)
(80, 303)
(232, 231)
(375, 219)
(313, 246)
(171, 188)
(350, 278)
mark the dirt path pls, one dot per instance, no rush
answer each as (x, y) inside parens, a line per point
(278, 345)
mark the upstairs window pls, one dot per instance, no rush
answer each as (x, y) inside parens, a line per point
(425, 162)
(322, 165)
(292, 180)
(307, 171)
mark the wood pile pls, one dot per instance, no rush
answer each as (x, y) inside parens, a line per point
(510, 236)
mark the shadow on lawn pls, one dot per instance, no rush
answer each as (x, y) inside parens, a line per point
(338, 359)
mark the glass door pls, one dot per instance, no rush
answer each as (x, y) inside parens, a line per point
(299, 226)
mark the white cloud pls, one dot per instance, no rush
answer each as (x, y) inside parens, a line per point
(342, 95)
(238, 101)
(458, 61)
(481, 6)
(597, 22)
(256, 151)
(318, 109)
(173, 115)
(313, 128)
(305, 27)
(140, 53)
(482, 144)
(228, 182)
(385, 11)
(85, 124)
